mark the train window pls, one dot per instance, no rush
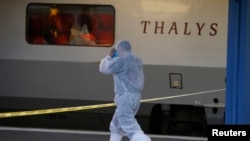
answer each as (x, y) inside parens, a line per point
(70, 24)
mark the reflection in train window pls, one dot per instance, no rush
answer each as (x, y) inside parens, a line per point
(75, 25)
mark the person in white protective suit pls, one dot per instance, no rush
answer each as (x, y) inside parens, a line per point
(128, 77)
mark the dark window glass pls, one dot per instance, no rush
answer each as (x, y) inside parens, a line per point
(75, 25)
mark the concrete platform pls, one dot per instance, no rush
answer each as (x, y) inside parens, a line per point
(36, 134)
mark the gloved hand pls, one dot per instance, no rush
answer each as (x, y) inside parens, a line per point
(112, 53)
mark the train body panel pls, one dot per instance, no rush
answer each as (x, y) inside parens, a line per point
(182, 44)
(162, 33)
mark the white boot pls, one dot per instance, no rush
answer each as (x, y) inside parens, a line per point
(115, 137)
(140, 137)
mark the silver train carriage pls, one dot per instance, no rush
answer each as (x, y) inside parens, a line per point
(50, 53)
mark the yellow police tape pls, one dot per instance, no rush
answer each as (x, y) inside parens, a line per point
(88, 107)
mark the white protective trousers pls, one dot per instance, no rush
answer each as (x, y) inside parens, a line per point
(124, 121)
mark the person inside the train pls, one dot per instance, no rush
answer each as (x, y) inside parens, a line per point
(61, 25)
(128, 75)
(84, 36)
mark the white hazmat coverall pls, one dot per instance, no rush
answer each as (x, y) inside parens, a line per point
(128, 78)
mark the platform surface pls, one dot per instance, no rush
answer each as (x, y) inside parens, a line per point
(37, 134)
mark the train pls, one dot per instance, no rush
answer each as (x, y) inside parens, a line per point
(51, 49)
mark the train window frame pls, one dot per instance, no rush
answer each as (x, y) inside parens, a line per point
(94, 24)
